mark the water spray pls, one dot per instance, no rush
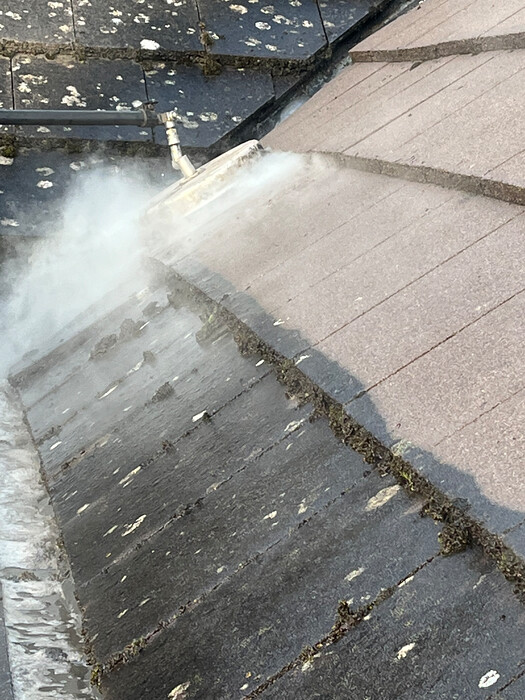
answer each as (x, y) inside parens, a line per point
(205, 180)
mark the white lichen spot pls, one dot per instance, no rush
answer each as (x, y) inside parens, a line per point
(271, 47)
(55, 445)
(6, 161)
(488, 679)
(110, 531)
(121, 614)
(281, 19)
(268, 10)
(479, 581)
(302, 508)
(77, 165)
(43, 130)
(149, 45)
(83, 508)
(179, 692)
(13, 15)
(44, 184)
(34, 79)
(108, 392)
(9, 222)
(293, 425)
(238, 8)
(208, 117)
(404, 650)
(129, 477)
(130, 528)
(307, 23)
(407, 580)
(354, 574)
(382, 497)
(188, 124)
(270, 516)
(74, 98)
(262, 25)
(46, 172)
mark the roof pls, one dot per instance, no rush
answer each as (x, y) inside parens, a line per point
(240, 453)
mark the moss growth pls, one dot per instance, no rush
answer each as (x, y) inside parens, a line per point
(307, 654)
(129, 652)
(96, 675)
(8, 146)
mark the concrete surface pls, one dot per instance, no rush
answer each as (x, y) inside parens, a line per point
(457, 114)
(436, 22)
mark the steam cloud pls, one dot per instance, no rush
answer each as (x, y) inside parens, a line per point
(92, 247)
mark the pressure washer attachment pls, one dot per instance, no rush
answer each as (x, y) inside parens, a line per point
(178, 160)
(143, 114)
(193, 190)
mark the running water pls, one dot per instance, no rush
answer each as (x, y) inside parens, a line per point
(93, 249)
(41, 617)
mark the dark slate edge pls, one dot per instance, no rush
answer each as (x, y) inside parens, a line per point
(416, 469)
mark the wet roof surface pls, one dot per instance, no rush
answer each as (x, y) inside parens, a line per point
(242, 543)
(213, 529)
